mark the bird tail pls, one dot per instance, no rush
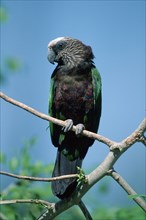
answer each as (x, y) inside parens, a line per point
(64, 188)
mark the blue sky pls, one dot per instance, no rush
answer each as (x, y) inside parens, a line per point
(116, 32)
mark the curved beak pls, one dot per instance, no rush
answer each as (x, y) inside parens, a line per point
(51, 55)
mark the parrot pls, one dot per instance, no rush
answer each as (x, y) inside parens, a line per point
(75, 97)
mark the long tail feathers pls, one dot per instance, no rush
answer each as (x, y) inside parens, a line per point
(64, 188)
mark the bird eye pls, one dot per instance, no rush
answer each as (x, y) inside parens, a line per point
(60, 45)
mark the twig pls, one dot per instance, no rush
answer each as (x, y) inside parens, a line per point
(137, 135)
(89, 134)
(39, 178)
(142, 139)
(61, 206)
(34, 201)
(122, 182)
(85, 210)
(3, 217)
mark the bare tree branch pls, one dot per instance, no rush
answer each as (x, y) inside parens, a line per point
(89, 134)
(39, 178)
(116, 150)
(95, 176)
(34, 201)
(142, 139)
(120, 180)
(3, 217)
(85, 210)
(136, 136)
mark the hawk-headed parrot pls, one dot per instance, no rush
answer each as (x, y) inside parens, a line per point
(75, 96)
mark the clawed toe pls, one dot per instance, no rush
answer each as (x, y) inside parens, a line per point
(79, 129)
(68, 126)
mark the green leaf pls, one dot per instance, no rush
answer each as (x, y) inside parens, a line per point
(13, 64)
(3, 14)
(2, 158)
(25, 152)
(103, 188)
(13, 163)
(81, 177)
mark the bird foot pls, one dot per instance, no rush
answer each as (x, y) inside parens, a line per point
(79, 129)
(68, 126)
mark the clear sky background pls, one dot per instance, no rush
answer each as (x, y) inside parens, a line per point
(116, 32)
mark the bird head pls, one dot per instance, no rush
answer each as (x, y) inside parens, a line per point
(68, 51)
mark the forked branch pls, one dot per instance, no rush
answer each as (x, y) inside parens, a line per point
(105, 168)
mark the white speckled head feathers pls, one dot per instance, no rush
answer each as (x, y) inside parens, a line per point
(69, 51)
(55, 41)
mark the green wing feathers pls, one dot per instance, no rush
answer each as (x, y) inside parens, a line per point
(96, 81)
(51, 95)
